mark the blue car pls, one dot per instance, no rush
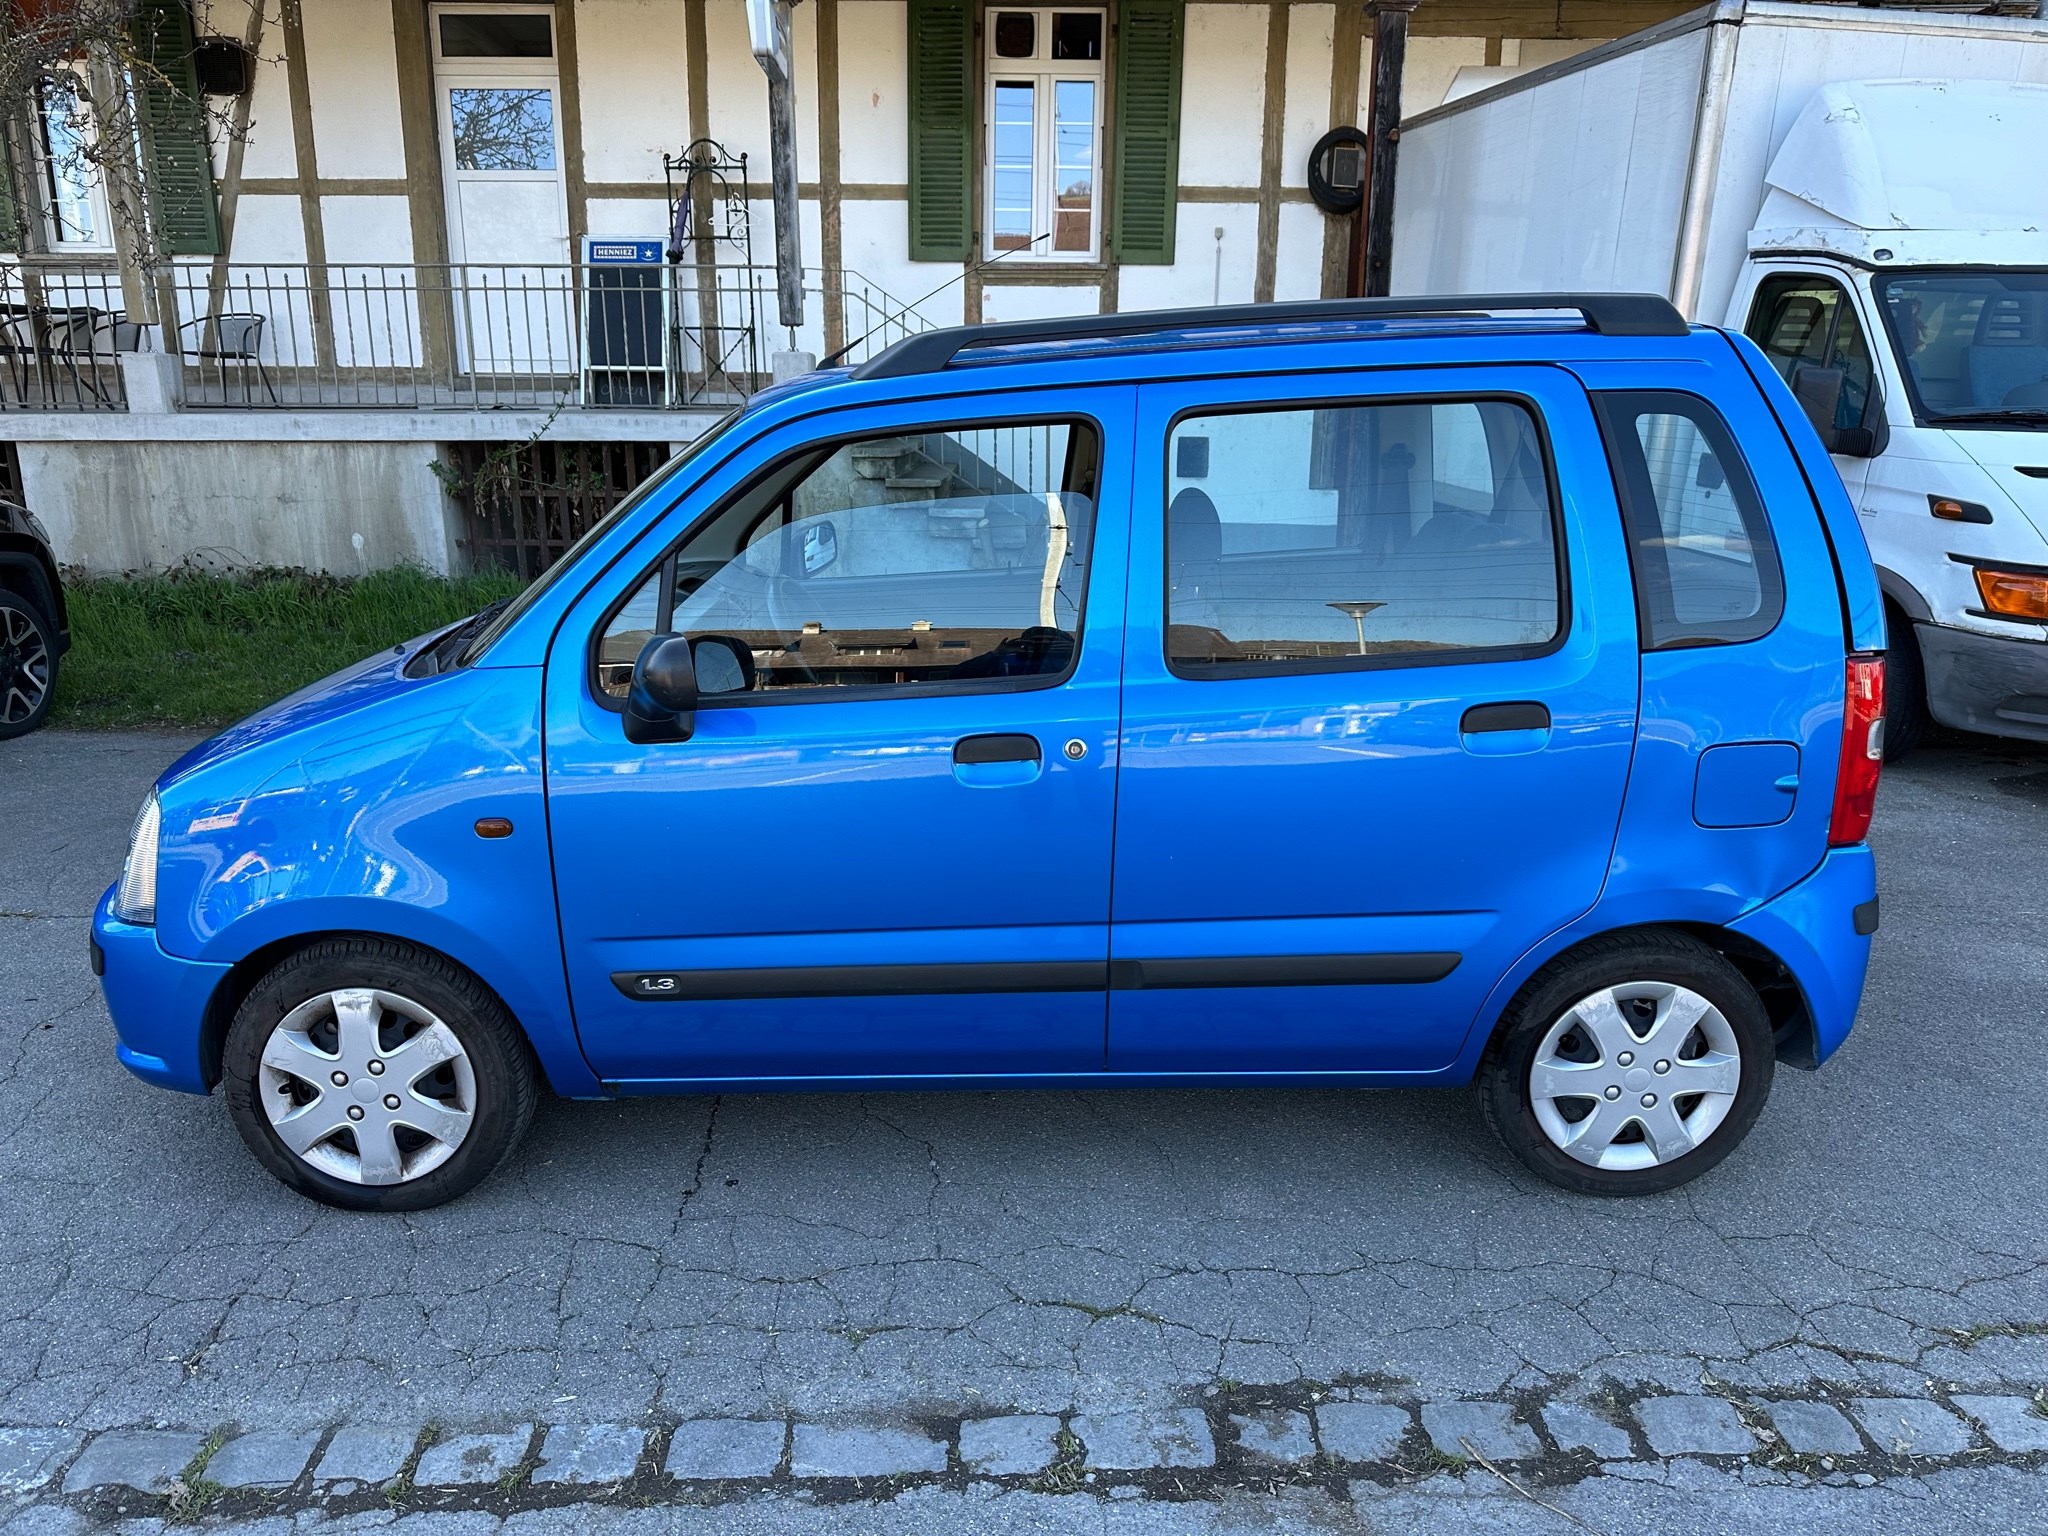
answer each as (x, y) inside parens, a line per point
(1373, 692)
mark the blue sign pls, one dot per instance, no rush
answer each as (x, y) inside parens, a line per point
(599, 251)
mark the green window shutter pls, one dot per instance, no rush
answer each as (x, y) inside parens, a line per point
(1147, 144)
(177, 162)
(941, 40)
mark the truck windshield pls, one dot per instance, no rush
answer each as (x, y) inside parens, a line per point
(1972, 343)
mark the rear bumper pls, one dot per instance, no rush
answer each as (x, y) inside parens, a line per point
(1985, 683)
(1821, 929)
(158, 1001)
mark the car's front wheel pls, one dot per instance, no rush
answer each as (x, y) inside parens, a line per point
(374, 1076)
(1630, 1066)
(28, 665)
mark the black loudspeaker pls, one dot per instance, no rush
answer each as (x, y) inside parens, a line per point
(225, 67)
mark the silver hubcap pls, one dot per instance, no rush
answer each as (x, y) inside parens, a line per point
(24, 667)
(1635, 1075)
(367, 1086)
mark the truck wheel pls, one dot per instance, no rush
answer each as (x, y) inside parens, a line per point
(28, 666)
(373, 1076)
(1630, 1065)
(1905, 687)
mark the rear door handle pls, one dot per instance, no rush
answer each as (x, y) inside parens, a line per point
(1527, 716)
(972, 750)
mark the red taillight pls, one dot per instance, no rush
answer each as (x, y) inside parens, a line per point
(1862, 751)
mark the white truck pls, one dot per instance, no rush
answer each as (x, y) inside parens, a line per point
(1864, 194)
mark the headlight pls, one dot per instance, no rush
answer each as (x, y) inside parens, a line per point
(135, 901)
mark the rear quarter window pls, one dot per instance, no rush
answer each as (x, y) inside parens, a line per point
(1706, 567)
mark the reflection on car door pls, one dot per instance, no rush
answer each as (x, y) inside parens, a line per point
(888, 857)
(1379, 702)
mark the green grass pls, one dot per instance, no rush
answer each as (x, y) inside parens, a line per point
(194, 651)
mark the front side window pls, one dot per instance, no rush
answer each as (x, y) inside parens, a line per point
(1358, 535)
(1706, 567)
(1044, 139)
(1804, 321)
(1972, 345)
(939, 559)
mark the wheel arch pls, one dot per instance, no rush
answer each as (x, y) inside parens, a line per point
(1785, 1003)
(245, 973)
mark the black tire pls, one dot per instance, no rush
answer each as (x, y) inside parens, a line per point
(28, 665)
(501, 1064)
(1651, 955)
(1905, 687)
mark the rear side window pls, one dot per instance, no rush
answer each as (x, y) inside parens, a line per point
(1349, 536)
(1706, 569)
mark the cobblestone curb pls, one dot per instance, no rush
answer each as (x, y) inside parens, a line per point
(1341, 1437)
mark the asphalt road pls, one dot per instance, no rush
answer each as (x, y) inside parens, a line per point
(882, 1256)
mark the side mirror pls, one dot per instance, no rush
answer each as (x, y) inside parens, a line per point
(673, 673)
(661, 705)
(820, 546)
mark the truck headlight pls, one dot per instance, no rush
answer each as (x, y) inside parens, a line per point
(135, 901)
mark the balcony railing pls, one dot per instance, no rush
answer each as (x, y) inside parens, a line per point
(428, 337)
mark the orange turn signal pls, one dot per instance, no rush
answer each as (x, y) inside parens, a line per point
(2013, 595)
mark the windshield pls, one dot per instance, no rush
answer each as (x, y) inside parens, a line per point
(1973, 345)
(507, 616)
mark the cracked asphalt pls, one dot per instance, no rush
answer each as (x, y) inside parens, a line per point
(871, 1256)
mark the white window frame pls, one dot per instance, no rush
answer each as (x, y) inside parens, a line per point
(102, 242)
(1043, 72)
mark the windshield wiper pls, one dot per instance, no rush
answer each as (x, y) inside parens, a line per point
(447, 651)
(2031, 414)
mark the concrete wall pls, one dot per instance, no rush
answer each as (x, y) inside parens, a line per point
(126, 506)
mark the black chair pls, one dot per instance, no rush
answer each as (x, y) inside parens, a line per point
(230, 339)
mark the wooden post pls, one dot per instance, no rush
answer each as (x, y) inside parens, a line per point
(1389, 55)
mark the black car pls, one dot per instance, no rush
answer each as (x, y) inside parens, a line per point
(34, 631)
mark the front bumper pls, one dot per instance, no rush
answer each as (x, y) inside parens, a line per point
(157, 1000)
(1821, 929)
(1984, 682)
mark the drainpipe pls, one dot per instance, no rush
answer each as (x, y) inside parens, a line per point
(1689, 261)
(1383, 127)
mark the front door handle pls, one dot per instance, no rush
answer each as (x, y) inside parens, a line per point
(1526, 716)
(971, 751)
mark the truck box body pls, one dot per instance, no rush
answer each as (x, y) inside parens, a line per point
(1641, 165)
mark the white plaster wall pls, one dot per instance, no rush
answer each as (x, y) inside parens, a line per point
(1192, 279)
(268, 228)
(643, 217)
(367, 229)
(1034, 303)
(352, 77)
(738, 91)
(635, 87)
(1433, 62)
(1298, 272)
(137, 506)
(268, 150)
(1311, 40)
(874, 113)
(1222, 95)
(875, 243)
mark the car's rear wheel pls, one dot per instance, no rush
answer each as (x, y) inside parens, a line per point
(1629, 1066)
(374, 1076)
(28, 665)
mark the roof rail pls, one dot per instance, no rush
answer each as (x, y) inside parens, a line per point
(1609, 314)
